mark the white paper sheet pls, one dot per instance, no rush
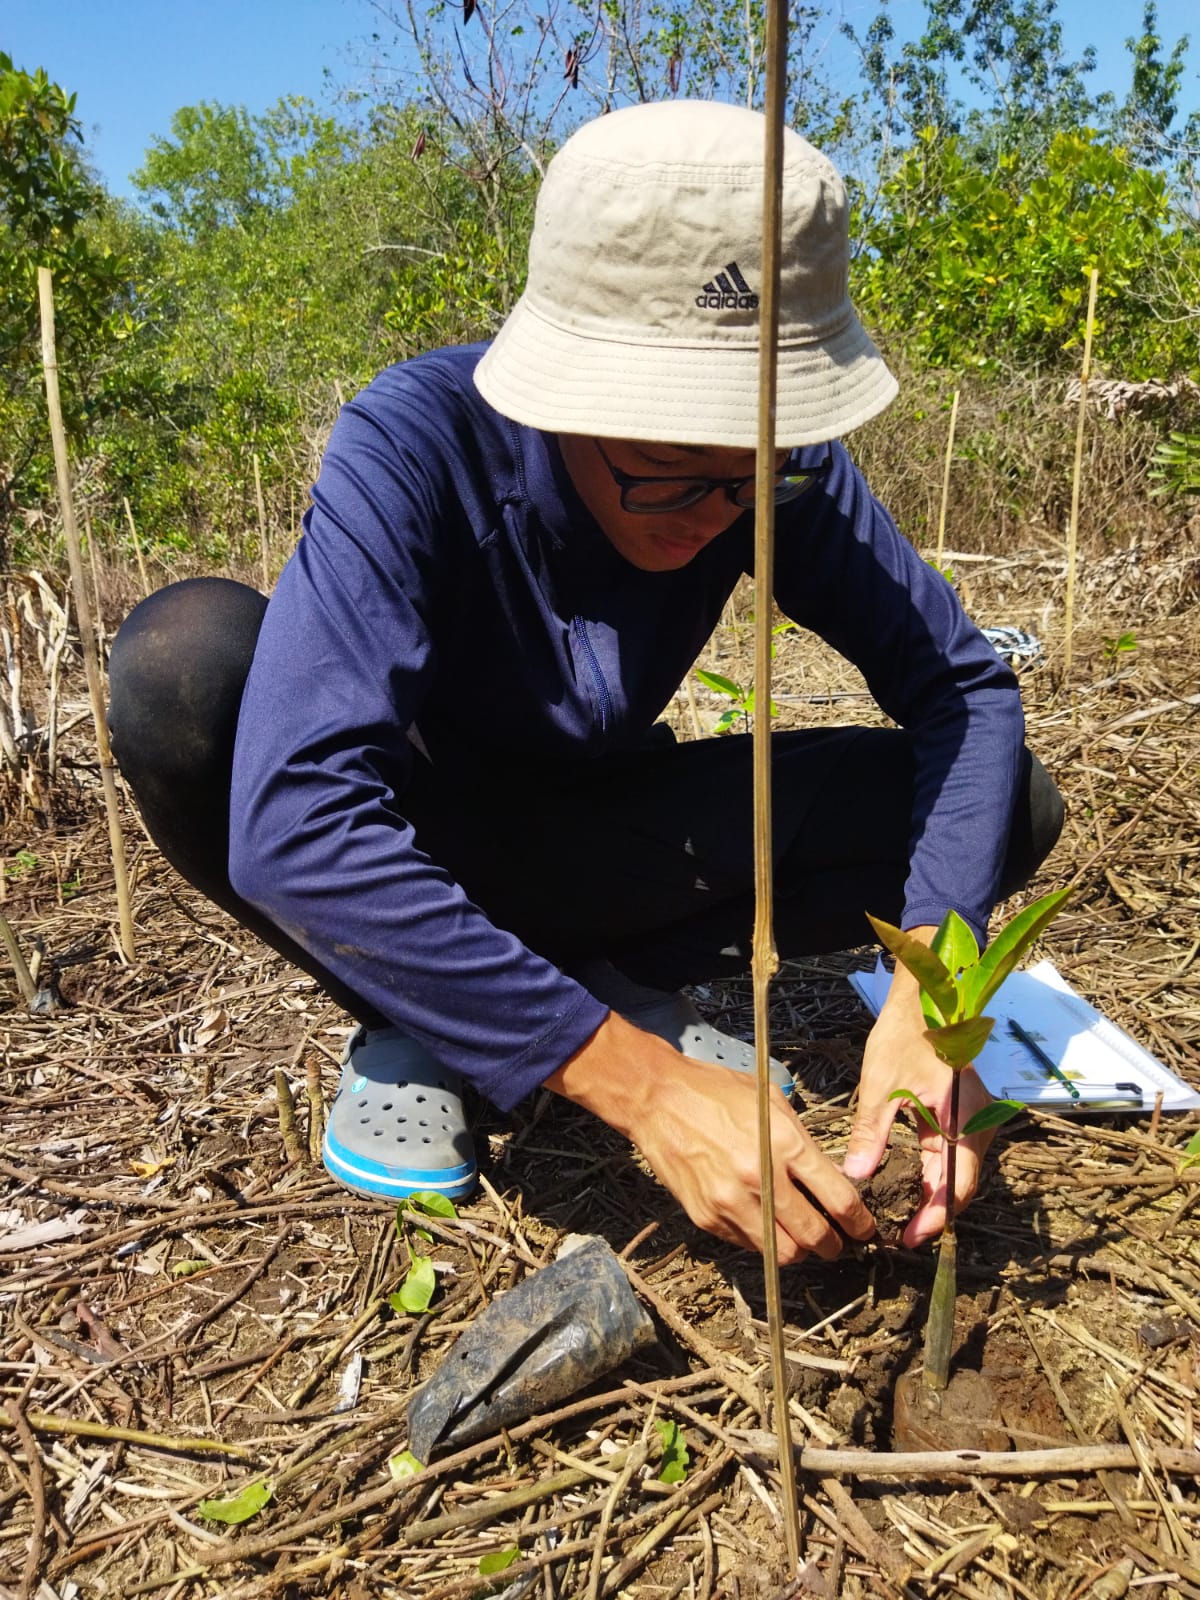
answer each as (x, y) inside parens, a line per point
(1092, 1051)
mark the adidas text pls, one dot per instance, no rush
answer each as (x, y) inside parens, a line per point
(727, 302)
(728, 291)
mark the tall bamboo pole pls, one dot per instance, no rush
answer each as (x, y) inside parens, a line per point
(262, 526)
(83, 613)
(137, 547)
(941, 542)
(765, 960)
(1073, 525)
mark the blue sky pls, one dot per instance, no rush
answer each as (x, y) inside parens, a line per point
(133, 63)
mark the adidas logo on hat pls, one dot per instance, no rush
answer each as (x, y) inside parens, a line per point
(728, 291)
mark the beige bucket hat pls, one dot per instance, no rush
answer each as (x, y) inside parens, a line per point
(640, 316)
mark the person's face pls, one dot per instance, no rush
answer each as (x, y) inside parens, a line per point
(655, 540)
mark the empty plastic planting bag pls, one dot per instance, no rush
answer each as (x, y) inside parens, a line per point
(533, 1346)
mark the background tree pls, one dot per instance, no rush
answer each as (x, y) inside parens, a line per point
(45, 196)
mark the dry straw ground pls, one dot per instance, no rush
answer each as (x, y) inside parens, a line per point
(187, 1303)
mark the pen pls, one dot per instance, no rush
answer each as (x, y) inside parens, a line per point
(1040, 1056)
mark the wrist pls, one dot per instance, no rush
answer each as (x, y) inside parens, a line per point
(610, 1076)
(905, 991)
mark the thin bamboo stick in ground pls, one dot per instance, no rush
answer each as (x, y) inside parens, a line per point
(137, 547)
(1073, 525)
(941, 538)
(262, 526)
(83, 612)
(19, 965)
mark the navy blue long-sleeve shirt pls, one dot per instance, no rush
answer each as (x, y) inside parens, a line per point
(451, 580)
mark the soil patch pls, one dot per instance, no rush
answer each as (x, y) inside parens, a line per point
(188, 1304)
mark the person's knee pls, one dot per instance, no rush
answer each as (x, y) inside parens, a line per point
(1037, 823)
(1047, 811)
(176, 673)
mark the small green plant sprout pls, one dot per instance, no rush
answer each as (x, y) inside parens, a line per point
(498, 1561)
(1191, 1154)
(1119, 645)
(675, 1459)
(420, 1281)
(956, 982)
(742, 699)
(404, 1465)
(1177, 465)
(239, 1507)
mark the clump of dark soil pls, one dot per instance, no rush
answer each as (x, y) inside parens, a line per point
(893, 1192)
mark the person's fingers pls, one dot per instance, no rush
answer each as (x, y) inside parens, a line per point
(966, 1170)
(930, 1218)
(868, 1138)
(800, 1228)
(832, 1191)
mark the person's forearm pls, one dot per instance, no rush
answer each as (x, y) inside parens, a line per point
(611, 1074)
(697, 1127)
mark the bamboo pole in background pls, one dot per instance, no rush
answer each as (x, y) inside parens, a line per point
(99, 616)
(1073, 525)
(137, 546)
(83, 613)
(262, 526)
(941, 542)
(765, 960)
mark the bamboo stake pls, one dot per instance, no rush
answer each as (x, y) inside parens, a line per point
(1067, 1461)
(20, 968)
(137, 546)
(99, 613)
(1073, 525)
(262, 526)
(765, 960)
(941, 542)
(697, 730)
(91, 660)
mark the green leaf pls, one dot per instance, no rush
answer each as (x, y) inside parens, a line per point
(930, 1012)
(674, 1452)
(722, 685)
(955, 943)
(928, 968)
(431, 1203)
(992, 1116)
(186, 1269)
(498, 1560)
(921, 1109)
(958, 1043)
(239, 1507)
(1191, 1153)
(1007, 948)
(726, 720)
(415, 1293)
(404, 1465)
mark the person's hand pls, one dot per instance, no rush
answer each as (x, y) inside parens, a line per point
(898, 1056)
(697, 1127)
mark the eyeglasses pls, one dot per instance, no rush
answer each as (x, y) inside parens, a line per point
(649, 495)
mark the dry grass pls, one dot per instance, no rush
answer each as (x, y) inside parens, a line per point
(169, 1269)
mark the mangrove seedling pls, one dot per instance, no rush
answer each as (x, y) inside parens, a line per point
(956, 982)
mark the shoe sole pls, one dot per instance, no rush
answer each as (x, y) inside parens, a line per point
(376, 1180)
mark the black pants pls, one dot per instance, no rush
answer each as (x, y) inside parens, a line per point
(645, 856)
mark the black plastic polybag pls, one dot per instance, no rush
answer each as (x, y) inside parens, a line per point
(546, 1339)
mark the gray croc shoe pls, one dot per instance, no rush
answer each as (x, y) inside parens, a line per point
(397, 1123)
(674, 1018)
